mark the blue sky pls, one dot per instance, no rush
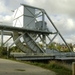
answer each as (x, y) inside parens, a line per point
(62, 13)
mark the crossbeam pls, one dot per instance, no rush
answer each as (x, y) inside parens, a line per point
(11, 28)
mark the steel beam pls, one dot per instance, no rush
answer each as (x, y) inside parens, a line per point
(7, 40)
(31, 7)
(2, 38)
(52, 39)
(43, 19)
(7, 33)
(57, 30)
(11, 28)
(17, 39)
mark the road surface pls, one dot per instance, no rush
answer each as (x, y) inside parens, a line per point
(9, 67)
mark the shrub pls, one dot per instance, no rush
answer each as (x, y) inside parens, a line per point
(3, 51)
(55, 66)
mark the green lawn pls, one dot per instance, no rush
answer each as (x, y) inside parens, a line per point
(55, 66)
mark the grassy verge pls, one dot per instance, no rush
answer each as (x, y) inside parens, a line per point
(55, 66)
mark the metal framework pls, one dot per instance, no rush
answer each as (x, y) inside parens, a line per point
(33, 30)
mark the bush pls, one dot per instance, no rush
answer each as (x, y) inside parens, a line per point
(55, 66)
(3, 51)
(59, 68)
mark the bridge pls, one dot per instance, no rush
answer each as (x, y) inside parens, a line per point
(30, 27)
(44, 56)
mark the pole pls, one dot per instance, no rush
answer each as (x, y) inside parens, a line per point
(2, 39)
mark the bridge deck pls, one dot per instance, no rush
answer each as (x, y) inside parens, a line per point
(41, 56)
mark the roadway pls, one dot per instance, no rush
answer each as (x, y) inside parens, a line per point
(9, 67)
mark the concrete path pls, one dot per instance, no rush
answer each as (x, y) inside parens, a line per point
(8, 67)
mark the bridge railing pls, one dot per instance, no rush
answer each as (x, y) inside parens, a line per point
(30, 54)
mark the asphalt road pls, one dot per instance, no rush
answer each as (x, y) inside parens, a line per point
(9, 67)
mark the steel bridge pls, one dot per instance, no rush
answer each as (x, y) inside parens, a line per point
(31, 24)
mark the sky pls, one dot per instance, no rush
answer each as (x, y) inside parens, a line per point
(62, 13)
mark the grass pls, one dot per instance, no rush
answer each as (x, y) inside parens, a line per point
(55, 66)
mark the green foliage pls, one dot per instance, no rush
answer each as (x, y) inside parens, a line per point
(51, 46)
(58, 47)
(3, 51)
(59, 68)
(55, 66)
(41, 45)
(15, 49)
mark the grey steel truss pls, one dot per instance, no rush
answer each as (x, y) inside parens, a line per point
(33, 29)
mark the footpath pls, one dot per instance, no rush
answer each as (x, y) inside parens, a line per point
(9, 67)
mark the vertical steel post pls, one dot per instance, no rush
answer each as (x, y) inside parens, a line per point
(8, 52)
(43, 27)
(43, 20)
(44, 43)
(73, 68)
(2, 39)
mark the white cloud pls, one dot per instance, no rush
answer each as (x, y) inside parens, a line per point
(6, 20)
(3, 8)
(55, 6)
(30, 1)
(70, 24)
(64, 24)
(71, 39)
